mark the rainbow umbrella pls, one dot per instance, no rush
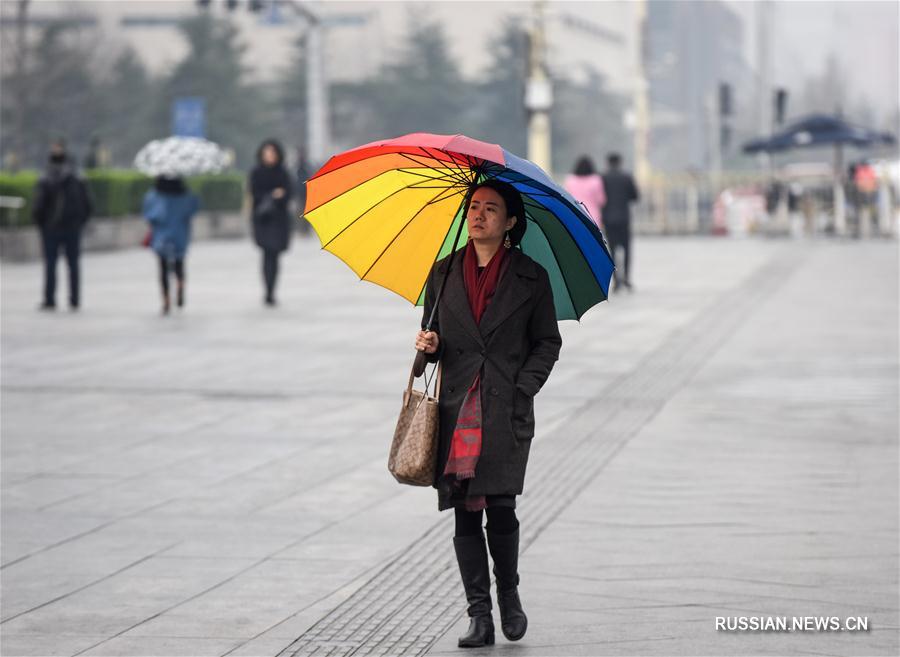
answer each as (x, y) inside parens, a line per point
(391, 208)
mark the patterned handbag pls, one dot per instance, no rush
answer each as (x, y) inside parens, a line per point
(414, 448)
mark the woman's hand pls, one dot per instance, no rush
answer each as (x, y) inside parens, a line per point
(427, 341)
(278, 192)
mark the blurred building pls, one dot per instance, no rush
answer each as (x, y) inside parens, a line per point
(690, 48)
(361, 36)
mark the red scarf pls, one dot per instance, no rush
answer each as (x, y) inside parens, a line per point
(465, 446)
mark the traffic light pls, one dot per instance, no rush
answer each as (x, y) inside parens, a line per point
(781, 98)
(203, 4)
(231, 5)
(255, 5)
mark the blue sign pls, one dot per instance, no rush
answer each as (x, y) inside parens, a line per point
(189, 117)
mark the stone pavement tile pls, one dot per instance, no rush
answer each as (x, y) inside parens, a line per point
(176, 646)
(45, 645)
(212, 424)
(267, 646)
(775, 471)
(50, 577)
(23, 534)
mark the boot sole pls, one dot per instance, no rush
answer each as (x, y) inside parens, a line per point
(489, 641)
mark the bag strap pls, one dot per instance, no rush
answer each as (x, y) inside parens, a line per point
(437, 388)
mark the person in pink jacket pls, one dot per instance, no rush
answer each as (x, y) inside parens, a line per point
(586, 185)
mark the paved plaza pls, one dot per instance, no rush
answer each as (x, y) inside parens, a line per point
(722, 442)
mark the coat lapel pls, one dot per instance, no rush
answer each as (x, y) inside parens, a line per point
(456, 299)
(513, 290)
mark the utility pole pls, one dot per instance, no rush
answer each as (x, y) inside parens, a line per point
(21, 87)
(538, 92)
(318, 129)
(641, 104)
(764, 113)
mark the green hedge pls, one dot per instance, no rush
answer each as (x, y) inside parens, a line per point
(120, 192)
(19, 184)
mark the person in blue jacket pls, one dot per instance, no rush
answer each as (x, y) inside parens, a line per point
(170, 208)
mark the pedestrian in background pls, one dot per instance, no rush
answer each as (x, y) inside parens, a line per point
(170, 209)
(586, 185)
(62, 207)
(496, 336)
(270, 188)
(621, 192)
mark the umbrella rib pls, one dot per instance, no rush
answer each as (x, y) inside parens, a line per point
(452, 190)
(586, 220)
(556, 257)
(394, 239)
(363, 214)
(374, 155)
(414, 172)
(460, 176)
(441, 245)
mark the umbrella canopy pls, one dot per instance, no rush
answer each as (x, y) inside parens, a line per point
(818, 130)
(180, 156)
(391, 208)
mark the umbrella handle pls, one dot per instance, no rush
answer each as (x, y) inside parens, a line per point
(419, 364)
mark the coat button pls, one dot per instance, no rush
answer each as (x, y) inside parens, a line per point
(451, 389)
(481, 352)
(459, 352)
(494, 392)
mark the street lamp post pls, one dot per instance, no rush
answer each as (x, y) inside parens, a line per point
(538, 93)
(318, 129)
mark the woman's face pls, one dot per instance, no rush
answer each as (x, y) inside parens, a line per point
(487, 220)
(269, 155)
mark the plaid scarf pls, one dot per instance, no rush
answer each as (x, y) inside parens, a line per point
(465, 446)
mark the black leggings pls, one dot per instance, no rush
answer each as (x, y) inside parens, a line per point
(270, 271)
(501, 520)
(178, 266)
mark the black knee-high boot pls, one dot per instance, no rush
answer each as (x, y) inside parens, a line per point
(505, 553)
(471, 556)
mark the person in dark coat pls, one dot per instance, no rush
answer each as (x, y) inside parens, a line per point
(62, 207)
(170, 208)
(621, 192)
(270, 188)
(495, 334)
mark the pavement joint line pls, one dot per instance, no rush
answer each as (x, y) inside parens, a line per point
(137, 512)
(79, 535)
(361, 576)
(93, 583)
(235, 575)
(120, 449)
(564, 472)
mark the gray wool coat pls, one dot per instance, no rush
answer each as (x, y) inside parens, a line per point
(517, 343)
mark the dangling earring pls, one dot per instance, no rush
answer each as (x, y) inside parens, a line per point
(506, 243)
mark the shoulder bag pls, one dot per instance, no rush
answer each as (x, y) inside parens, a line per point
(414, 449)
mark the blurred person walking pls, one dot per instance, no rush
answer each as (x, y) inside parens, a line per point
(270, 188)
(586, 185)
(170, 208)
(621, 192)
(496, 337)
(62, 207)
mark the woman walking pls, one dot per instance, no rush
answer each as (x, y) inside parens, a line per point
(270, 187)
(170, 208)
(496, 336)
(586, 185)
